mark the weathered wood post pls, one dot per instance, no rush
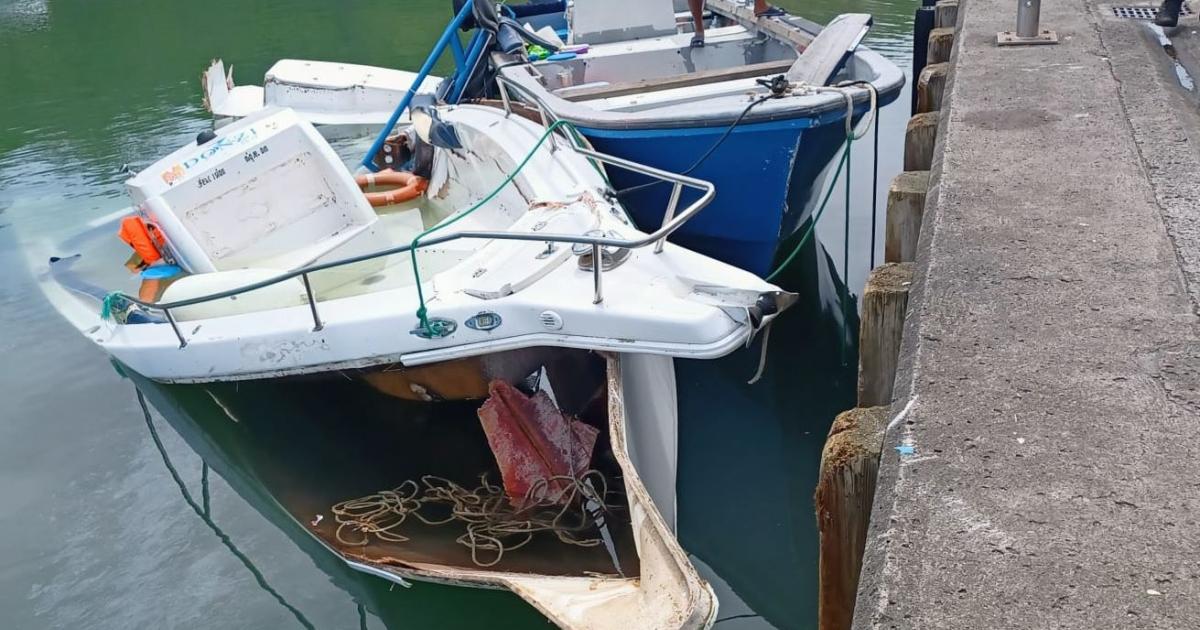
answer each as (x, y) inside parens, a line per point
(941, 42)
(845, 491)
(919, 140)
(905, 210)
(882, 324)
(931, 86)
(945, 14)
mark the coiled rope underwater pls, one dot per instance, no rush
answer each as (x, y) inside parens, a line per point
(494, 524)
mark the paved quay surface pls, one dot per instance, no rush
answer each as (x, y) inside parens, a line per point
(1051, 360)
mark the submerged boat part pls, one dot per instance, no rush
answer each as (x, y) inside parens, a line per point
(669, 592)
(540, 450)
(341, 99)
(665, 591)
(460, 379)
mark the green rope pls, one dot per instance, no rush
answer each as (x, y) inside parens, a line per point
(113, 302)
(812, 224)
(438, 329)
(844, 343)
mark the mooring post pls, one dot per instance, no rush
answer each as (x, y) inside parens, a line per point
(884, 302)
(845, 491)
(945, 14)
(922, 23)
(919, 139)
(905, 211)
(1028, 27)
(931, 85)
(941, 44)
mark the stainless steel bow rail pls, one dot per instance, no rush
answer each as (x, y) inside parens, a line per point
(548, 119)
(671, 222)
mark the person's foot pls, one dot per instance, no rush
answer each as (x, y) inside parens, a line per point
(776, 12)
(698, 41)
(1168, 13)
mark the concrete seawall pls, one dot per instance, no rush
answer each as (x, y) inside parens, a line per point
(1051, 354)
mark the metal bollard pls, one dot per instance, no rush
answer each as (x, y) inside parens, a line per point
(1027, 33)
(1028, 13)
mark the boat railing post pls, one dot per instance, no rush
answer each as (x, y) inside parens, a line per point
(474, 52)
(546, 125)
(597, 272)
(175, 327)
(406, 100)
(670, 214)
(312, 303)
(504, 97)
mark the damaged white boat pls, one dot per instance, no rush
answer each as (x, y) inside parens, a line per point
(258, 256)
(285, 268)
(342, 99)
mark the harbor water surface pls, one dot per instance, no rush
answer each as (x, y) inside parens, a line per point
(119, 515)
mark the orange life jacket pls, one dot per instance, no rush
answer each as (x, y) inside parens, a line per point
(146, 240)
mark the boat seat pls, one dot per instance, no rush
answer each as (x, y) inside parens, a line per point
(830, 49)
(285, 294)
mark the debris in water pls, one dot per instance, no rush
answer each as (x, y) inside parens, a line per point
(535, 444)
(317, 521)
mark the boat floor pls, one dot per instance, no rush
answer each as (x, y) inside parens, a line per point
(327, 457)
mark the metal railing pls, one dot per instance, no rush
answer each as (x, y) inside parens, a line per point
(671, 222)
(548, 118)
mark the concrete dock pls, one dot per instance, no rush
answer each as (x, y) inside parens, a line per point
(1050, 364)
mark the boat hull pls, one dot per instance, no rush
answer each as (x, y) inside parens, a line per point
(765, 175)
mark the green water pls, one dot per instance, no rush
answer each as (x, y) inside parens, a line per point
(96, 532)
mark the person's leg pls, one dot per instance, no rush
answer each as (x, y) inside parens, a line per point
(697, 8)
(1168, 13)
(762, 9)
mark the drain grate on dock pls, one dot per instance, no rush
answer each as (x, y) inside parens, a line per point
(1144, 12)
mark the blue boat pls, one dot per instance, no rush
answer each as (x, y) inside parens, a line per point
(760, 108)
(710, 111)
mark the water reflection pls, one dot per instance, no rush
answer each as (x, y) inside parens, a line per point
(262, 471)
(205, 514)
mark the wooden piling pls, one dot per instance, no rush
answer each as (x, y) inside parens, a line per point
(919, 140)
(845, 491)
(945, 14)
(884, 302)
(905, 209)
(941, 42)
(931, 86)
